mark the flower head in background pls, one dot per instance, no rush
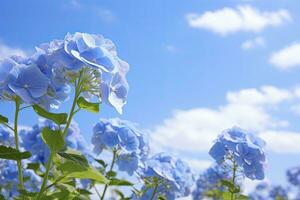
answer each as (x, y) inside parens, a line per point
(266, 191)
(121, 136)
(293, 175)
(172, 177)
(9, 179)
(31, 140)
(243, 148)
(208, 181)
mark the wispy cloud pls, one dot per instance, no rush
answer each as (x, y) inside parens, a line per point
(242, 18)
(6, 51)
(287, 57)
(253, 43)
(193, 130)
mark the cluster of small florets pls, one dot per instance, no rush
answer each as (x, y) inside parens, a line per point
(55, 67)
(244, 149)
(169, 177)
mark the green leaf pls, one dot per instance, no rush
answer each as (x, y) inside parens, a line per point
(1, 197)
(111, 174)
(75, 170)
(101, 162)
(227, 184)
(27, 194)
(84, 104)
(53, 138)
(3, 119)
(161, 198)
(120, 182)
(80, 159)
(83, 191)
(242, 197)
(226, 196)
(33, 166)
(58, 118)
(10, 153)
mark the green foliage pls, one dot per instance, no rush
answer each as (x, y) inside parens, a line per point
(84, 104)
(10, 153)
(54, 139)
(3, 119)
(58, 118)
(119, 182)
(76, 166)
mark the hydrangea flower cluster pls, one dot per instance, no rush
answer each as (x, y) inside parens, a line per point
(57, 64)
(293, 175)
(209, 180)
(123, 137)
(31, 140)
(245, 149)
(172, 178)
(265, 191)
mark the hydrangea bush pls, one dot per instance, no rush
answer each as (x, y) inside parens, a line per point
(52, 160)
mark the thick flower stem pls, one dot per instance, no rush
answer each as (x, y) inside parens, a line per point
(111, 168)
(19, 163)
(233, 179)
(48, 167)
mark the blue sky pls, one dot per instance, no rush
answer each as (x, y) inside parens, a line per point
(197, 67)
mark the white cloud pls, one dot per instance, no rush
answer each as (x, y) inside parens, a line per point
(252, 43)
(243, 18)
(193, 131)
(286, 58)
(6, 51)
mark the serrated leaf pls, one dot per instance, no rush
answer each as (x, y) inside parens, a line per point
(53, 138)
(10, 153)
(58, 118)
(3, 119)
(120, 182)
(84, 104)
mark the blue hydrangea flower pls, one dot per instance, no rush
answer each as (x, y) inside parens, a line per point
(265, 191)
(209, 180)
(8, 74)
(123, 136)
(93, 53)
(31, 140)
(174, 176)
(245, 148)
(30, 84)
(293, 175)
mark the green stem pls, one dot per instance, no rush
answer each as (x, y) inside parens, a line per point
(233, 179)
(19, 163)
(111, 168)
(155, 190)
(71, 115)
(48, 167)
